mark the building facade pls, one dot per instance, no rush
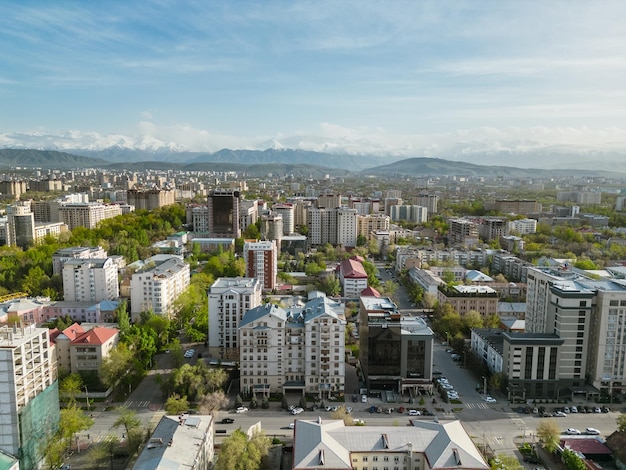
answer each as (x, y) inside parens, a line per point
(261, 259)
(30, 394)
(296, 349)
(229, 299)
(223, 213)
(90, 280)
(155, 285)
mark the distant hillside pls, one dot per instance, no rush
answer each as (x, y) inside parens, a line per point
(259, 170)
(439, 167)
(291, 156)
(46, 159)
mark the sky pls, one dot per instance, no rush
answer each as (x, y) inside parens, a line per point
(420, 78)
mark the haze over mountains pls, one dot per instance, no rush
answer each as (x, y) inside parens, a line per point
(353, 154)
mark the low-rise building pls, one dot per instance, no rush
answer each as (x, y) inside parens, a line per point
(482, 299)
(353, 277)
(184, 441)
(83, 348)
(425, 445)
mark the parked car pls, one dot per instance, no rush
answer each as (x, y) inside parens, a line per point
(292, 425)
(490, 399)
(227, 421)
(572, 431)
(592, 431)
(414, 413)
(297, 410)
(363, 398)
(559, 414)
(597, 409)
(573, 409)
(605, 409)
(241, 409)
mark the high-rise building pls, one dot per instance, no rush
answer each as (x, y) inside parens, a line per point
(287, 211)
(271, 226)
(295, 349)
(462, 231)
(328, 201)
(229, 299)
(223, 205)
(261, 260)
(29, 414)
(156, 284)
(335, 226)
(12, 189)
(20, 225)
(88, 214)
(371, 223)
(428, 200)
(90, 280)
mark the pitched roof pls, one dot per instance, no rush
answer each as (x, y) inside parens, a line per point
(329, 443)
(96, 336)
(352, 269)
(370, 292)
(73, 331)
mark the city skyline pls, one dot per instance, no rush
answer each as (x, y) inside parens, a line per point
(445, 79)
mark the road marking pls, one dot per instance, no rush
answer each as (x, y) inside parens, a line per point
(482, 406)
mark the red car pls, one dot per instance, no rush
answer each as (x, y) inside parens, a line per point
(401, 409)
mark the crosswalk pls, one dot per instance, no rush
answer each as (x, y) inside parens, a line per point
(482, 406)
(136, 404)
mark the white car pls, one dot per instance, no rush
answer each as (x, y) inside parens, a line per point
(572, 431)
(559, 414)
(292, 425)
(489, 399)
(358, 422)
(363, 398)
(241, 409)
(297, 410)
(592, 431)
(414, 413)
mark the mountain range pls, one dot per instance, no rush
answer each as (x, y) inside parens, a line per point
(301, 163)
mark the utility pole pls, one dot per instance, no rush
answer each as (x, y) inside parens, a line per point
(484, 385)
(87, 397)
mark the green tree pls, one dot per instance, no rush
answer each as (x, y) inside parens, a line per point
(74, 420)
(472, 319)
(572, 461)
(212, 402)
(548, 432)
(240, 453)
(127, 419)
(117, 365)
(621, 422)
(176, 404)
(69, 387)
(330, 285)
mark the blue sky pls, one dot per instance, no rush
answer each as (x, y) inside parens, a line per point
(403, 77)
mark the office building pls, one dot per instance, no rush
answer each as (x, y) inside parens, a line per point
(396, 350)
(298, 349)
(20, 225)
(223, 207)
(261, 260)
(90, 280)
(29, 414)
(156, 284)
(229, 299)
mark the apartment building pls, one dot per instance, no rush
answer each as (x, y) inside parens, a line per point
(353, 277)
(82, 348)
(426, 445)
(150, 199)
(20, 225)
(463, 232)
(410, 213)
(482, 299)
(229, 299)
(88, 214)
(90, 280)
(156, 283)
(396, 350)
(261, 259)
(328, 201)
(428, 200)
(366, 224)
(523, 226)
(337, 226)
(517, 206)
(297, 349)
(12, 189)
(29, 414)
(289, 219)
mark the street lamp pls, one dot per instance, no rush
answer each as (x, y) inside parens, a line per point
(448, 337)
(484, 385)
(87, 397)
